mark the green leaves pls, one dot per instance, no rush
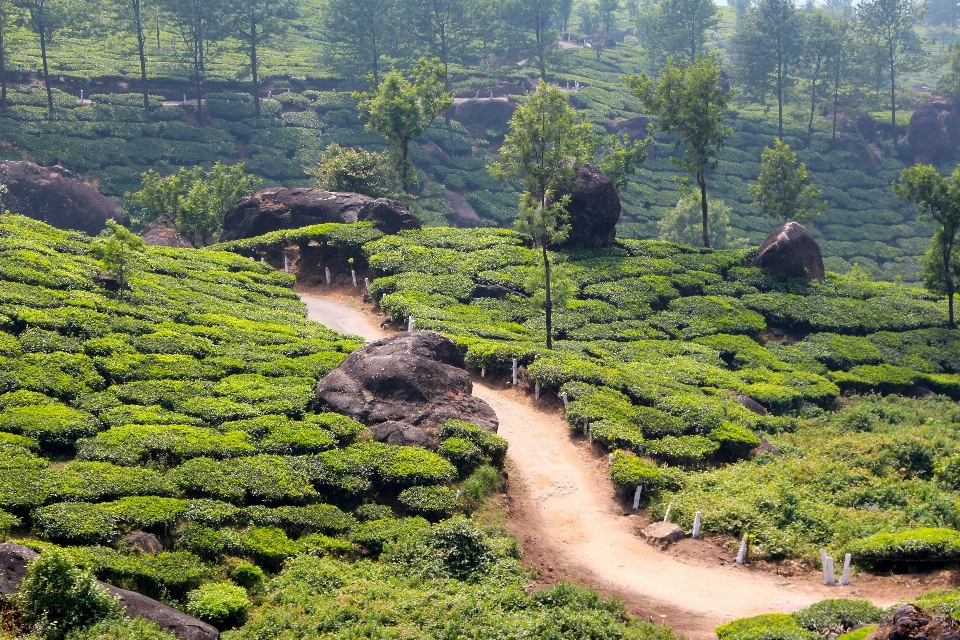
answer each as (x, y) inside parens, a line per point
(782, 191)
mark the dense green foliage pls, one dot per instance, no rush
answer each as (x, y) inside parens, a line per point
(827, 618)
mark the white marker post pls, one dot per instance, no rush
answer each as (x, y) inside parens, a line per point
(565, 400)
(327, 269)
(845, 576)
(590, 435)
(366, 283)
(696, 526)
(483, 372)
(636, 497)
(353, 274)
(827, 563)
(410, 324)
(586, 427)
(666, 516)
(742, 553)
(610, 459)
(81, 95)
(536, 391)
(515, 372)
(286, 264)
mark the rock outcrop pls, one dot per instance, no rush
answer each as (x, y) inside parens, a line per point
(405, 386)
(463, 212)
(934, 130)
(281, 208)
(594, 210)
(142, 542)
(162, 233)
(791, 252)
(662, 534)
(635, 127)
(482, 113)
(910, 622)
(14, 559)
(57, 196)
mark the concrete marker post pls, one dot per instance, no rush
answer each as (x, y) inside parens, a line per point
(666, 516)
(515, 372)
(845, 576)
(696, 526)
(366, 283)
(353, 274)
(327, 269)
(483, 372)
(586, 427)
(566, 401)
(827, 563)
(742, 553)
(636, 497)
(410, 322)
(536, 391)
(286, 264)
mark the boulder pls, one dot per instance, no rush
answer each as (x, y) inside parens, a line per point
(594, 210)
(635, 127)
(749, 403)
(934, 130)
(463, 212)
(13, 566)
(57, 196)
(910, 622)
(790, 252)
(389, 216)
(482, 113)
(438, 154)
(282, 208)
(407, 380)
(142, 542)
(662, 534)
(494, 291)
(162, 233)
(185, 627)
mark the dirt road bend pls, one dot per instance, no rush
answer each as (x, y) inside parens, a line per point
(574, 510)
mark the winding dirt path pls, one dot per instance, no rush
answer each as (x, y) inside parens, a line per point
(570, 510)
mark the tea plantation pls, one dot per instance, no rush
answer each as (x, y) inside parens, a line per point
(183, 408)
(655, 349)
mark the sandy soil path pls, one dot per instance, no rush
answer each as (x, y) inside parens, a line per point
(569, 503)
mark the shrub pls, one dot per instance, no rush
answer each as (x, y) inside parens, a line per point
(151, 513)
(122, 628)
(455, 548)
(267, 546)
(374, 535)
(248, 575)
(492, 445)
(7, 522)
(76, 523)
(859, 634)
(735, 441)
(628, 471)
(169, 574)
(371, 511)
(54, 426)
(905, 548)
(434, 503)
(132, 444)
(483, 480)
(946, 602)
(56, 597)
(461, 452)
(222, 604)
(771, 626)
(204, 541)
(685, 450)
(299, 521)
(838, 615)
(257, 478)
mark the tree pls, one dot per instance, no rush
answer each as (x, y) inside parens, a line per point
(839, 67)
(564, 9)
(889, 23)
(362, 32)
(201, 23)
(949, 83)
(356, 171)
(117, 248)
(195, 200)
(682, 224)
(688, 101)
(939, 201)
(606, 14)
(548, 142)
(6, 14)
(257, 21)
(777, 25)
(131, 12)
(538, 15)
(821, 44)
(444, 27)
(401, 109)
(751, 59)
(688, 21)
(783, 190)
(46, 17)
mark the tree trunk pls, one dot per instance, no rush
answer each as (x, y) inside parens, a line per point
(46, 71)
(3, 66)
(893, 101)
(836, 103)
(143, 57)
(198, 68)
(948, 280)
(548, 301)
(540, 49)
(702, 182)
(813, 104)
(253, 66)
(780, 90)
(406, 167)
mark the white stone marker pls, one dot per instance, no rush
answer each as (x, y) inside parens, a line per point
(586, 427)
(845, 576)
(536, 391)
(515, 372)
(327, 269)
(742, 553)
(827, 562)
(410, 324)
(286, 264)
(366, 283)
(696, 525)
(590, 435)
(636, 497)
(483, 372)
(353, 274)
(565, 400)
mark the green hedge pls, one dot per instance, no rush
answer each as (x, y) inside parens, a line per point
(914, 547)
(433, 503)
(222, 604)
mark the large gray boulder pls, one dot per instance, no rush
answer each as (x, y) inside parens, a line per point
(910, 622)
(934, 131)
(482, 113)
(408, 380)
(14, 559)
(594, 210)
(282, 208)
(162, 233)
(791, 252)
(57, 196)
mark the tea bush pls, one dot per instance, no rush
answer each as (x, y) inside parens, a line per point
(433, 503)
(222, 604)
(908, 547)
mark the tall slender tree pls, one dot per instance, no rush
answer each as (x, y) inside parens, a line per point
(6, 14)
(839, 68)
(778, 25)
(539, 16)
(132, 12)
(821, 44)
(890, 23)
(201, 23)
(46, 17)
(688, 22)
(548, 142)
(688, 101)
(257, 21)
(445, 29)
(783, 190)
(363, 33)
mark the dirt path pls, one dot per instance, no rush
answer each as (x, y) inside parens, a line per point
(569, 514)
